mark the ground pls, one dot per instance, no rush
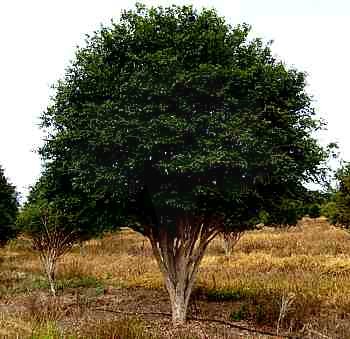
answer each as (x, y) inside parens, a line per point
(112, 288)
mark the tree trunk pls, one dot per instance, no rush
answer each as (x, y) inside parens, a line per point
(179, 256)
(52, 284)
(179, 304)
(49, 264)
(180, 289)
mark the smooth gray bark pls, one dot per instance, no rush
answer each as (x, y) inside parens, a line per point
(179, 256)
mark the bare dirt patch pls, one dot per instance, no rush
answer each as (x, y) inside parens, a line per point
(72, 310)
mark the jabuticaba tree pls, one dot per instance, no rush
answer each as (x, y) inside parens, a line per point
(181, 127)
(8, 209)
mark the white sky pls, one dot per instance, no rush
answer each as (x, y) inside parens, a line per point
(38, 39)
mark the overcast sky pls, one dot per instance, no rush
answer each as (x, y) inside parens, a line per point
(38, 39)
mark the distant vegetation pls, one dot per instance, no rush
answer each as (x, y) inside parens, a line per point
(337, 209)
(8, 209)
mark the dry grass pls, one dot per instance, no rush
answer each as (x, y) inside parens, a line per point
(114, 328)
(12, 326)
(15, 327)
(310, 262)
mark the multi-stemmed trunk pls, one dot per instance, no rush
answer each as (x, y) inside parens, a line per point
(52, 243)
(230, 240)
(179, 255)
(51, 247)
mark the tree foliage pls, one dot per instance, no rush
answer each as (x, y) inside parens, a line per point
(174, 123)
(338, 208)
(40, 220)
(51, 225)
(177, 110)
(8, 209)
(312, 203)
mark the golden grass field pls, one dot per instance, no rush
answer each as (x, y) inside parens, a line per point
(305, 268)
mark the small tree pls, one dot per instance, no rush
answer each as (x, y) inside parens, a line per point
(8, 209)
(51, 223)
(230, 240)
(178, 125)
(51, 238)
(55, 218)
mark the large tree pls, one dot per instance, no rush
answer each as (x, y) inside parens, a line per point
(8, 209)
(180, 126)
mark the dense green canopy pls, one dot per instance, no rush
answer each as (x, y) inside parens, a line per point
(172, 111)
(8, 209)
